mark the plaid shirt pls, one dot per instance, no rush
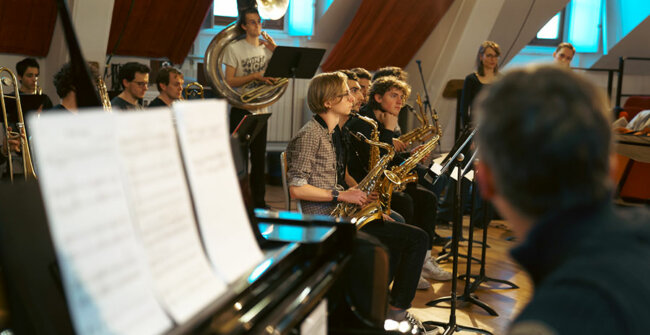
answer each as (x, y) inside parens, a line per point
(311, 159)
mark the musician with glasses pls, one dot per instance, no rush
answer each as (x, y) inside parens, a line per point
(169, 82)
(246, 61)
(312, 178)
(134, 77)
(387, 96)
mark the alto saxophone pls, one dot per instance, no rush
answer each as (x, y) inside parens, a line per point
(371, 181)
(420, 133)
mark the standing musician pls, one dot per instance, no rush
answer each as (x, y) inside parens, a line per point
(245, 62)
(170, 86)
(27, 72)
(564, 53)
(487, 71)
(312, 178)
(135, 80)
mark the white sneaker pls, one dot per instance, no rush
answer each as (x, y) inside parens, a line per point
(423, 284)
(431, 270)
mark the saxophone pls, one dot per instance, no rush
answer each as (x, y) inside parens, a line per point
(420, 133)
(371, 181)
(400, 175)
(374, 136)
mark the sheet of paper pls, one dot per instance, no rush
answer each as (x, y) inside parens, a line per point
(205, 142)
(437, 168)
(107, 283)
(163, 213)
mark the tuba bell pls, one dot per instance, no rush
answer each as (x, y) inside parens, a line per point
(263, 96)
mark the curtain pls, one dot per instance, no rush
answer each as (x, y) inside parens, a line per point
(157, 28)
(386, 33)
(26, 27)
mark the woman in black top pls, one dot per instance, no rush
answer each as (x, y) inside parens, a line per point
(487, 68)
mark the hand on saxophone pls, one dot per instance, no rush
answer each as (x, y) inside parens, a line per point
(353, 196)
(399, 145)
(268, 41)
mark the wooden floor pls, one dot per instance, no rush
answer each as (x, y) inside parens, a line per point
(506, 302)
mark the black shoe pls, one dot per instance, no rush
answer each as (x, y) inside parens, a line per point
(439, 240)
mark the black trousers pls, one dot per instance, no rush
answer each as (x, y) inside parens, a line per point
(257, 150)
(406, 245)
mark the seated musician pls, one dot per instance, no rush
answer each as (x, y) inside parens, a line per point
(588, 260)
(169, 82)
(312, 178)
(364, 82)
(387, 95)
(134, 77)
(64, 83)
(27, 72)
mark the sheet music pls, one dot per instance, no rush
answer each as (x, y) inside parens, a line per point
(205, 142)
(163, 213)
(107, 283)
(437, 168)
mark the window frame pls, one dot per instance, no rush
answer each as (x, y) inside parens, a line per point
(555, 41)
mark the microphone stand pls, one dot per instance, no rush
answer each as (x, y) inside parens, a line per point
(427, 102)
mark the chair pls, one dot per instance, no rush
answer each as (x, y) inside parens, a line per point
(285, 184)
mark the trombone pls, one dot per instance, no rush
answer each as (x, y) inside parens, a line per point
(28, 167)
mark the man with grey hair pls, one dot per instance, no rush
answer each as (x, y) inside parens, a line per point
(545, 163)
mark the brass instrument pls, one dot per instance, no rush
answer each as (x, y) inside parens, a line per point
(28, 167)
(261, 90)
(374, 136)
(103, 94)
(369, 184)
(193, 87)
(423, 131)
(214, 60)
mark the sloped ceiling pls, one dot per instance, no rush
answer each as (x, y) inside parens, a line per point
(635, 44)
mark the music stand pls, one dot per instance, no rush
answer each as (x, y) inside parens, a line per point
(294, 62)
(28, 103)
(456, 160)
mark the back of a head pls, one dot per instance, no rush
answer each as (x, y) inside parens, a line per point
(544, 132)
(393, 71)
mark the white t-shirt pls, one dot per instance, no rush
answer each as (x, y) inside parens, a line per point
(246, 58)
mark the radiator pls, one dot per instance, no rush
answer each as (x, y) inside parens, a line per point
(284, 123)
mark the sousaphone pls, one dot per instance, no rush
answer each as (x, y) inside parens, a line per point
(269, 9)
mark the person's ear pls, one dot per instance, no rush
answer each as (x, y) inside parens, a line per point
(378, 98)
(485, 180)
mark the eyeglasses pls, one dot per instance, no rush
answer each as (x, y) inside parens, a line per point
(490, 56)
(141, 83)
